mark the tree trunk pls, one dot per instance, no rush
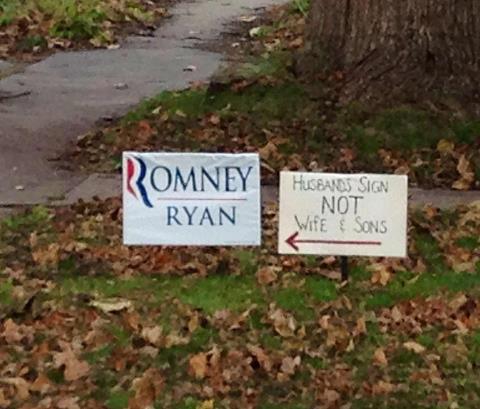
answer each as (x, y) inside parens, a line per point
(397, 48)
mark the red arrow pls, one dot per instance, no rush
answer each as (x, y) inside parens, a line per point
(293, 241)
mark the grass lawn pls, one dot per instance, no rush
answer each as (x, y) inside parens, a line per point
(32, 27)
(87, 321)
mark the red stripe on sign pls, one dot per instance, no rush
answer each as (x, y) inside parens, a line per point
(346, 242)
(208, 199)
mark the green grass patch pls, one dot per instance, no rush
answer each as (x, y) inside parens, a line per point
(407, 286)
(75, 20)
(36, 218)
(468, 242)
(267, 102)
(6, 289)
(295, 301)
(403, 129)
(210, 293)
(213, 293)
(428, 247)
(117, 400)
(320, 288)
(300, 6)
(248, 261)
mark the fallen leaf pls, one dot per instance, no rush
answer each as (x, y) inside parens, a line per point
(21, 385)
(284, 324)
(153, 335)
(414, 347)
(207, 404)
(445, 146)
(74, 368)
(380, 274)
(379, 357)
(111, 305)
(147, 389)
(198, 365)
(382, 388)
(467, 174)
(69, 402)
(290, 364)
(267, 275)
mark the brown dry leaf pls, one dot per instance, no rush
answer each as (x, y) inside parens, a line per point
(414, 347)
(290, 364)
(262, 358)
(48, 256)
(361, 327)
(145, 131)
(153, 335)
(284, 324)
(331, 396)
(383, 388)
(465, 170)
(4, 402)
(380, 274)
(214, 119)
(68, 402)
(12, 332)
(397, 316)
(111, 305)
(379, 357)
(198, 365)
(21, 386)
(268, 151)
(41, 385)
(147, 389)
(74, 368)
(267, 275)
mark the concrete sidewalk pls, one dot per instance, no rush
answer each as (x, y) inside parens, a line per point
(70, 92)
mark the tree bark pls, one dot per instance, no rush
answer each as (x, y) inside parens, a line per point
(401, 48)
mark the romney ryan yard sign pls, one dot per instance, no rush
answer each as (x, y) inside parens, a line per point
(191, 199)
(343, 214)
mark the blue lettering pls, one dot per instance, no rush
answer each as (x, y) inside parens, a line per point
(169, 178)
(231, 217)
(172, 213)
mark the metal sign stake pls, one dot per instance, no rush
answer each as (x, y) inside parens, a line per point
(344, 268)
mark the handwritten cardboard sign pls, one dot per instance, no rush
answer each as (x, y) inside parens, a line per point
(343, 214)
(191, 199)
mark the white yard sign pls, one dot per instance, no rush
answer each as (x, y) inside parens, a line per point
(191, 199)
(343, 214)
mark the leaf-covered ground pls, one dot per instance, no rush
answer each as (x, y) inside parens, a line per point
(88, 323)
(259, 105)
(31, 28)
